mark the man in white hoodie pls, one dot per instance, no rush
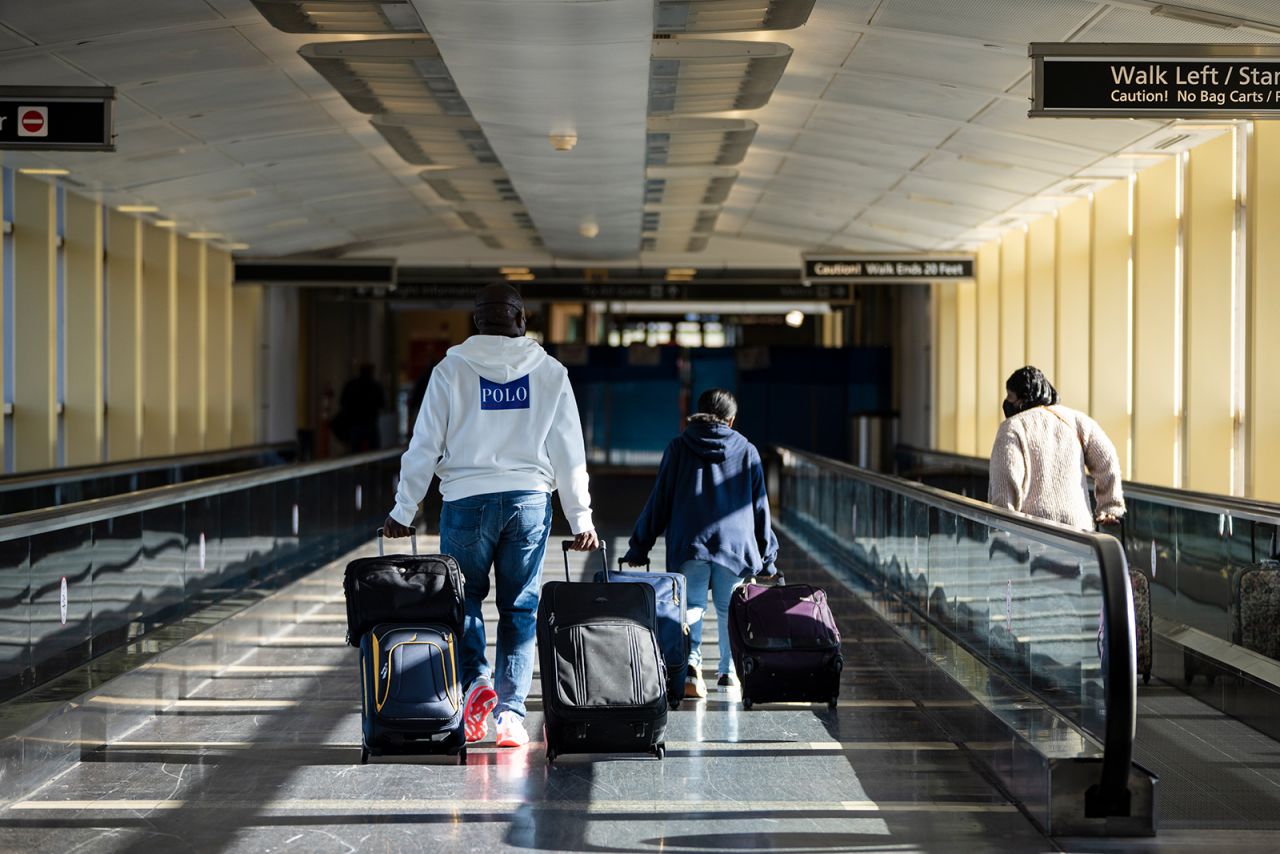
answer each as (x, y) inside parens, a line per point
(500, 426)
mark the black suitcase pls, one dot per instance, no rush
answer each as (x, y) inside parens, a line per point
(405, 614)
(402, 588)
(603, 677)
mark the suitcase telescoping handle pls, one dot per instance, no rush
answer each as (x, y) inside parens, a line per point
(567, 545)
(413, 541)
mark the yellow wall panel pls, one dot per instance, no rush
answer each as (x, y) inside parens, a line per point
(159, 329)
(35, 418)
(218, 350)
(192, 315)
(246, 330)
(989, 381)
(124, 337)
(82, 260)
(1071, 374)
(1013, 303)
(966, 367)
(1110, 313)
(1262, 407)
(1042, 296)
(1209, 426)
(1156, 374)
(944, 305)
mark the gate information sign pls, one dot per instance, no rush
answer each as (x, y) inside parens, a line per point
(1155, 81)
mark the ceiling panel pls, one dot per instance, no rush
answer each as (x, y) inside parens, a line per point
(256, 122)
(41, 70)
(1008, 21)
(1103, 135)
(895, 93)
(1134, 25)
(138, 59)
(973, 67)
(254, 152)
(236, 89)
(972, 169)
(1017, 150)
(75, 20)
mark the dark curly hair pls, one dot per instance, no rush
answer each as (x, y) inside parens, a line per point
(1031, 387)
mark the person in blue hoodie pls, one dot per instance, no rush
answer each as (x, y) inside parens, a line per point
(710, 500)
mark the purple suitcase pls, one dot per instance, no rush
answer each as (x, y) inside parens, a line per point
(785, 644)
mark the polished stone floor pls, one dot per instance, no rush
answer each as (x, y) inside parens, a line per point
(263, 755)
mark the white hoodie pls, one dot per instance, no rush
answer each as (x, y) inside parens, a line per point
(499, 416)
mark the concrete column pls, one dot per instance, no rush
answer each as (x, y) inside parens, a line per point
(35, 418)
(192, 325)
(1071, 370)
(989, 383)
(124, 337)
(159, 336)
(1157, 331)
(218, 349)
(82, 260)
(1110, 318)
(246, 330)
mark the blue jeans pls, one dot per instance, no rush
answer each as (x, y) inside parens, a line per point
(508, 531)
(701, 575)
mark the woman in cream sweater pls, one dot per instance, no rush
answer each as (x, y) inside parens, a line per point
(1042, 454)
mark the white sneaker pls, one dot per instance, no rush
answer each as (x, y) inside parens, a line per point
(511, 731)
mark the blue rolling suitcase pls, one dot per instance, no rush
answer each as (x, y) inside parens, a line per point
(673, 627)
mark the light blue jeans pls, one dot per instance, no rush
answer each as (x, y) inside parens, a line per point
(700, 576)
(507, 531)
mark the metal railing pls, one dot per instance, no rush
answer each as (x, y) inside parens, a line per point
(1048, 605)
(32, 490)
(86, 577)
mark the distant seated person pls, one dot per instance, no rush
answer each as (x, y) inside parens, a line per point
(710, 501)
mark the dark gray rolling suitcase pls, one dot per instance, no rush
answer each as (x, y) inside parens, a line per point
(603, 677)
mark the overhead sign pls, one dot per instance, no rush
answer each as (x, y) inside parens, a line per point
(378, 273)
(887, 268)
(57, 118)
(636, 292)
(1159, 81)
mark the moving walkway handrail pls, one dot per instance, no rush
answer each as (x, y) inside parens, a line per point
(34, 522)
(53, 477)
(1111, 796)
(1206, 502)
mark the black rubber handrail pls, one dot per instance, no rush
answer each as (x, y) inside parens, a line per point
(46, 519)
(1206, 502)
(1110, 797)
(53, 477)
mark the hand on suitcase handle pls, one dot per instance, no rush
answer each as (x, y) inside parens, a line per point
(413, 535)
(572, 545)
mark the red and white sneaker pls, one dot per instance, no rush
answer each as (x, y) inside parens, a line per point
(475, 716)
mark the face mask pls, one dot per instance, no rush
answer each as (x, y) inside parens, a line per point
(1010, 409)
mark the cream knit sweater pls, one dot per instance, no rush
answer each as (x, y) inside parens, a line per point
(1039, 463)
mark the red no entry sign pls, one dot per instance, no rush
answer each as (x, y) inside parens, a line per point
(33, 121)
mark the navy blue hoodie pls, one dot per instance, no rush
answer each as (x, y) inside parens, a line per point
(710, 500)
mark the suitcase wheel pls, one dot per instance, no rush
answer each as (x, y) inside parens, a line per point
(746, 703)
(659, 751)
(364, 756)
(832, 703)
(462, 756)
(674, 704)
(551, 754)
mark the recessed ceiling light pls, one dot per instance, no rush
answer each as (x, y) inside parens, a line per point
(164, 223)
(513, 271)
(205, 235)
(138, 208)
(31, 170)
(794, 318)
(237, 247)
